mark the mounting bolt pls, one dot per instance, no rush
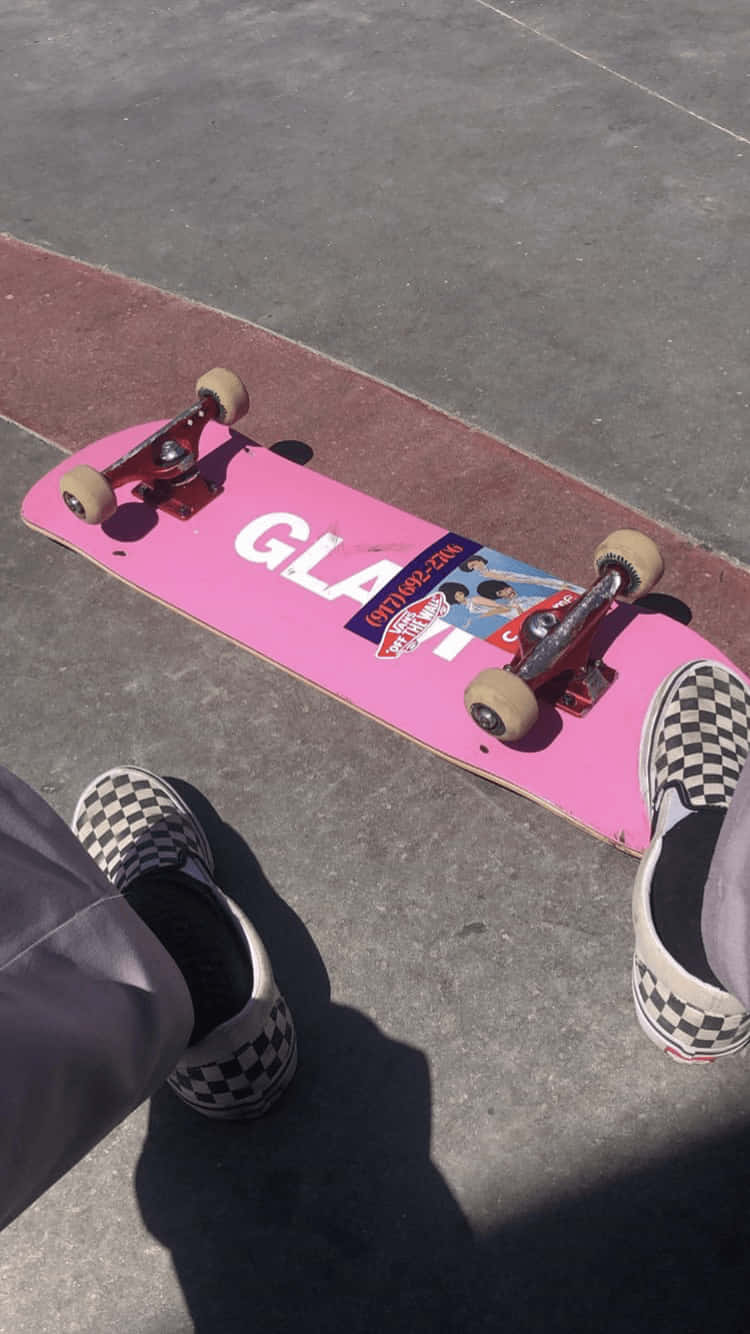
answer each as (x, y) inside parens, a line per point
(172, 452)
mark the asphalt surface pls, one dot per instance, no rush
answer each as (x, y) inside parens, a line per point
(533, 217)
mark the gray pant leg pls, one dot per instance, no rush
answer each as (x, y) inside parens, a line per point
(725, 923)
(94, 1014)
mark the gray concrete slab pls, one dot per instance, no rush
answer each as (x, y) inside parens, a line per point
(474, 1108)
(437, 195)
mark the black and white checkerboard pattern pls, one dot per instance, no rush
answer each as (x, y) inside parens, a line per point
(703, 736)
(688, 1028)
(247, 1081)
(129, 823)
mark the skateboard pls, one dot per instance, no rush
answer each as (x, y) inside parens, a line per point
(504, 669)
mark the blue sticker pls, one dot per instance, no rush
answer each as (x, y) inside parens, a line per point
(416, 580)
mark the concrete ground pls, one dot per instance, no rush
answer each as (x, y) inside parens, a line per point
(531, 217)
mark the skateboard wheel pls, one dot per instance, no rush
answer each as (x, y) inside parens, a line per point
(88, 494)
(501, 704)
(636, 556)
(229, 392)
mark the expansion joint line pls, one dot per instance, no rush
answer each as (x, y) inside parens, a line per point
(607, 69)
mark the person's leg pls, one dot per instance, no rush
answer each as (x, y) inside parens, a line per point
(94, 1013)
(122, 964)
(725, 921)
(695, 743)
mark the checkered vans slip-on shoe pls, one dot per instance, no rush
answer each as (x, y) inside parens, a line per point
(694, 744)
(696, 737)
(132, 822)
(240, 1068)
(685, 1017)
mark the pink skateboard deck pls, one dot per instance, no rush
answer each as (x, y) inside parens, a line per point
(354, 596)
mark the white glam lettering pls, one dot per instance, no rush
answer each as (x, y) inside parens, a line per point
(365, 584)
(274, 552)
(299, 570)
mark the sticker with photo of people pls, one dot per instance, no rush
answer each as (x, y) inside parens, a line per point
(488, 590)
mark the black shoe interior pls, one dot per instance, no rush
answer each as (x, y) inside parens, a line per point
(677, 886)
(204, 940)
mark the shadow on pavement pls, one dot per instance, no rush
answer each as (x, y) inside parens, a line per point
(664, 1248)
(328, 1214)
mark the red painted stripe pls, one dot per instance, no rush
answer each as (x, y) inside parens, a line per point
(88, 352)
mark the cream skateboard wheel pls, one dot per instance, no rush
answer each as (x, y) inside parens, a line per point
(229, 392)
(636, 556)
(501, 704)
(88, 494)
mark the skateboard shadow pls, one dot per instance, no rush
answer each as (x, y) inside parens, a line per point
(318, 1214)
(131, 521)
(295, 451)
(666, 605)
(215, 465)
(547, 727)
(624, 614)
(134, 519)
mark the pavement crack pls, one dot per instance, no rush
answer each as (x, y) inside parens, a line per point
(607, 69)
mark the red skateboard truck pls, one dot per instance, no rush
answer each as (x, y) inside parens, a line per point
(555, 645)
(165, 466)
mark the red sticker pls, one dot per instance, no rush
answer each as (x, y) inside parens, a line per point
(507, 637)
